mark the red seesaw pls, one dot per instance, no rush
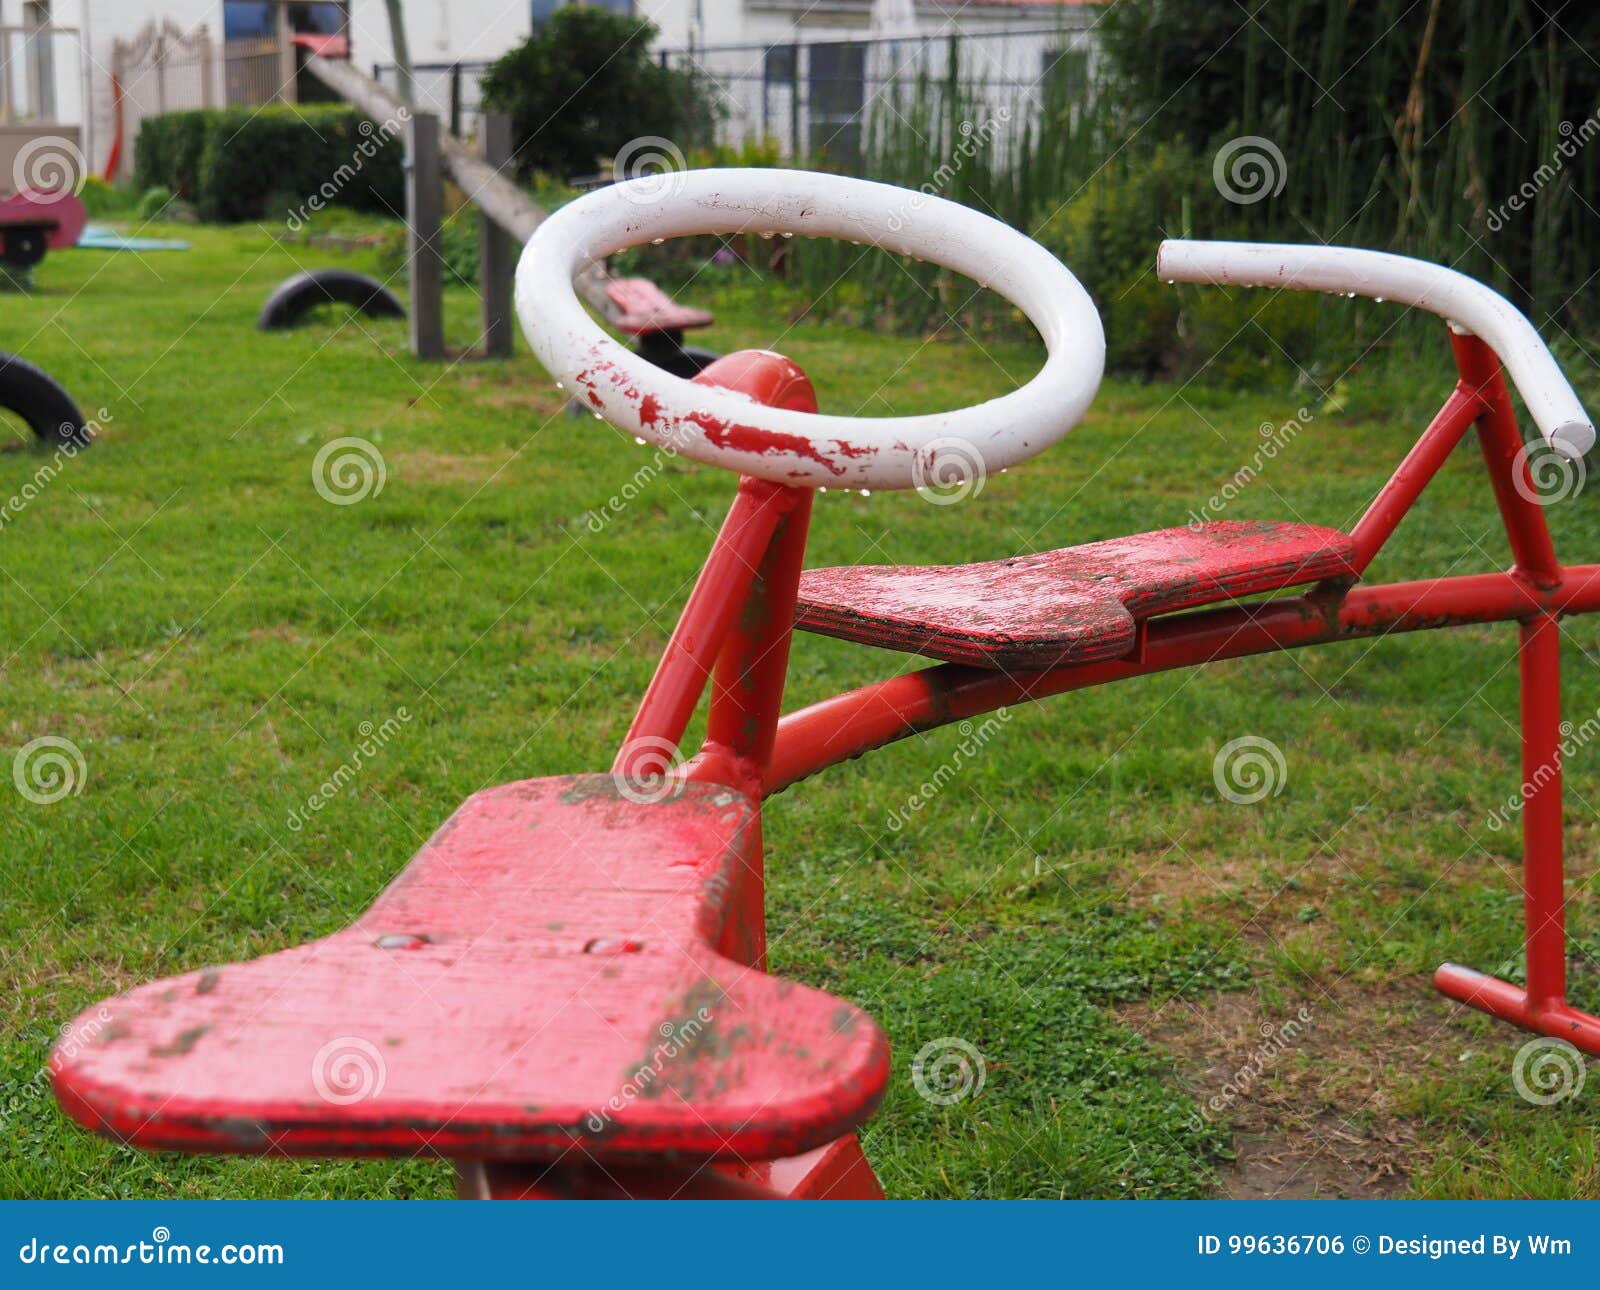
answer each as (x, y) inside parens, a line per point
(565, 992)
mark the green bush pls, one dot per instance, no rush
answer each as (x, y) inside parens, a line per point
(155, 203)
(1108, 236)
(237, 163)
(585, 85)
(458, 248)
(102, 200)
(167, 152)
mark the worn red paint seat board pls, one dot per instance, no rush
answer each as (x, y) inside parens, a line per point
(645, 308)
(541, 977)
(1074, 605)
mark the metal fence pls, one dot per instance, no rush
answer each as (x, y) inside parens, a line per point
(451, 91)
(816, 97)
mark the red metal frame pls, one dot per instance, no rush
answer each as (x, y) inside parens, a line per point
(734, 636)
(740, 614)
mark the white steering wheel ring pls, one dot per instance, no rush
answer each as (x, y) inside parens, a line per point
(722, 428)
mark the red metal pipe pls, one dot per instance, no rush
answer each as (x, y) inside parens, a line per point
(1511, 1003)
(1504, 453)
(851, 724)
(1544, 896)
(713, 605)
(1411, 477)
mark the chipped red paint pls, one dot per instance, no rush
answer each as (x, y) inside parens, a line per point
(758, 442)
(518, 976)
(1072, 605)
(499, 1033)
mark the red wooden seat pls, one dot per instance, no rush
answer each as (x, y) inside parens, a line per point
(646, 308)
(541, 977)
(1074, 605)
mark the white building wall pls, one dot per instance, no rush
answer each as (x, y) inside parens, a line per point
(440, 31)
(473, 31)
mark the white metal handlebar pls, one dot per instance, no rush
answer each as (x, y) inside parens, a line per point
(1466, 304)
(722, 428)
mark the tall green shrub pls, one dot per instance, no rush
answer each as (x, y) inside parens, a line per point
(231, 162)
(167, 152)
(585, 85)
(1461, 130)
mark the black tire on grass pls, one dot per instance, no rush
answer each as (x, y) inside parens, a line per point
(296, 296)
(39, 400)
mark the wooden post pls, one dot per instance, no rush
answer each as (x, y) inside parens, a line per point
(496, 249)
(402, 54)
(287, 91)
(208, 71)
(796, 149)
(424, 213)
(493, 194)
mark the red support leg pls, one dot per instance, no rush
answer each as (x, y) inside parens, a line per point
(1542, 1006)
(1544, 895)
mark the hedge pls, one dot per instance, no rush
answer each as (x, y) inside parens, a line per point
(242, 163)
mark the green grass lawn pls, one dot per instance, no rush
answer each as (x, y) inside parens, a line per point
(1079, 904)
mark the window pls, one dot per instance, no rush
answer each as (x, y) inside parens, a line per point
(780, 64)
(256, 19)
(1067, 71)
(836, 80)
(41, 60)
(244, 19)
(319, 19)
(542, 9)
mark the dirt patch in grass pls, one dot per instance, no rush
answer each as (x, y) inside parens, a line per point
(1310, 1066)
(1310, 1082)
